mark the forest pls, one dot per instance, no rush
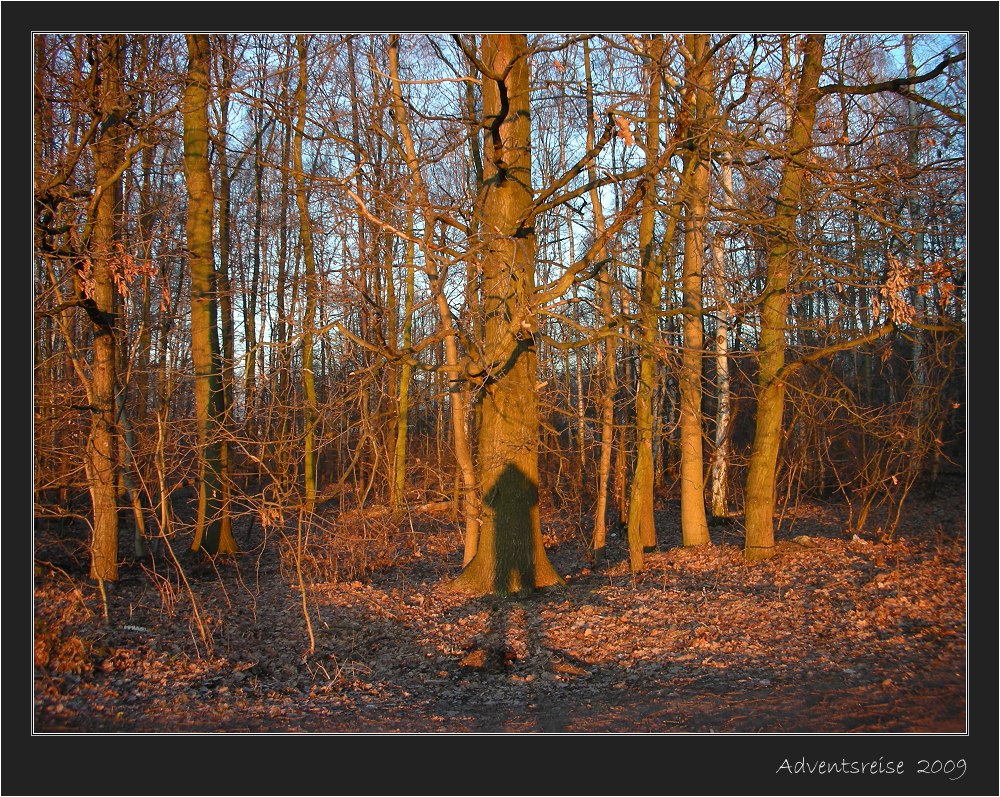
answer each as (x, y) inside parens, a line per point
(499, 383)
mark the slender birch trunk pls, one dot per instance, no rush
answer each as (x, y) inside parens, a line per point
(723, 413)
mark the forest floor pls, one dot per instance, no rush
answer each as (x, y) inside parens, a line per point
(837, 633)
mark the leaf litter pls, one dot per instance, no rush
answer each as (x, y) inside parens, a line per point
(838, 632)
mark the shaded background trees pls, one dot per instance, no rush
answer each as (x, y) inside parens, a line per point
(345, 233)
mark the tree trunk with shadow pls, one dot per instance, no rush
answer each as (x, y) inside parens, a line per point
(510, 557)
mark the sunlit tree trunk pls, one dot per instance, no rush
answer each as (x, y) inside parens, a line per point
(99, 300)
(463, 388)
(610, 343)
(641, 526)
(211, 534)
(694, 526)
(760, 484)
(403, 392)
(510, 557)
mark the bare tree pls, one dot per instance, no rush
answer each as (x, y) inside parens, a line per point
(510, 556)
(214, 532)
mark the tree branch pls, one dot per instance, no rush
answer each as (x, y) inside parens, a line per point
(902, 86)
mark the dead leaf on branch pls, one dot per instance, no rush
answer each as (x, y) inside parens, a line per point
(624, 130)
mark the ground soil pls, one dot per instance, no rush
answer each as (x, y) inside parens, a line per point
(839, 632)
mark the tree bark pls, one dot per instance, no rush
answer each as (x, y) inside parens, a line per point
(403, 390)
(281, 362)
(923, 436)
(224, 290)
(641, 526)
(694, 525)
(211, 533)
(760, 484)
(610, 344)
(723, 393)
(309, 258)
(99, 299)
(510, 557)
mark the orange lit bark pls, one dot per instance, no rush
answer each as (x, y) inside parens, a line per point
(211, 533)
(510, 557)
(760, 485)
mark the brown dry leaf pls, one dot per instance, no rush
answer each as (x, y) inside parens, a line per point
(624, 130)
(569, 669)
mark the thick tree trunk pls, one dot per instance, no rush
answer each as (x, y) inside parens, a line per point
(211, 534)
(367, 324)
(694, 525)
(760, 485)
(101, 457)
(510, 557)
